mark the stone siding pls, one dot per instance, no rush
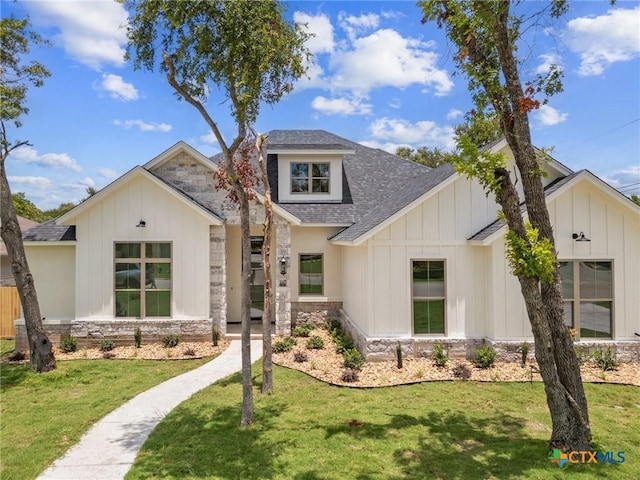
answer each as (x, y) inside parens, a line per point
(316, 312)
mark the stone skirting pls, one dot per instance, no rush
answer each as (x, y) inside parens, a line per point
(90, 333)
(316, 312)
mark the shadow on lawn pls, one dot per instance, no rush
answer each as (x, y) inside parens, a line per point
(12, 375)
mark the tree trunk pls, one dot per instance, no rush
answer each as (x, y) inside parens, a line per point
(565, 392)
(267, 313)
(40, 349)
(245, 310)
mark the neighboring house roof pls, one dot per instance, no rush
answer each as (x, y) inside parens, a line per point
(50, 232)
(491, 231)
(25, 224)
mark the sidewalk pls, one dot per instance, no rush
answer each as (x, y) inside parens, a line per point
(107, 451)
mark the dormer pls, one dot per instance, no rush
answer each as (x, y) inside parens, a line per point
(309, 173)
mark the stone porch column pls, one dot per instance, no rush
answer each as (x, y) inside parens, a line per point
(218, 276)
(283, 289)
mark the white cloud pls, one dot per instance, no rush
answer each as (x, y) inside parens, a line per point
(49, 160)
(209, 138)
(624, 178)
(321, 29)
(353, 26)
(548, 116)
(90, 32)
(606, 39)
(386, 146)
(341, 106)
(421, 133)
(143, 126)
(37, 182)
(118, 88)
(547, 60)
(107, 173)
(453, 114)
(385, 58)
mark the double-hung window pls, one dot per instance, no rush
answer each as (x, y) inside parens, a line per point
(310, 177)
(428, 292)
(310, 276)
(587, 288)
(142, 279)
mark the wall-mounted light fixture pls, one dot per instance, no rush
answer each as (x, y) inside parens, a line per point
(580, 237)
(283, 265)
(141, 223)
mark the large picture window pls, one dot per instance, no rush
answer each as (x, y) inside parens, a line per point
(310, 276)
(310, 178)
(587, 288)
(428, 292)
(142, 279)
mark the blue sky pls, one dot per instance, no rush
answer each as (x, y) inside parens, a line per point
(379, 77)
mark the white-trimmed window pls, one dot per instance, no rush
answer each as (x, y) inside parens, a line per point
(142, 279)
(310, 177)
(311, 274)
(587, 288)
(428, 294)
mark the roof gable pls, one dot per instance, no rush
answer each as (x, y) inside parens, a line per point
(180, 147)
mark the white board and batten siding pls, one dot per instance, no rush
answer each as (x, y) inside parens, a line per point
(114, 219)
(436, 229)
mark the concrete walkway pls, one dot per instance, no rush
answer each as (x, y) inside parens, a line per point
(107, 451)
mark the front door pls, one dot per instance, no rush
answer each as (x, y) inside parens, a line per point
(257, 278)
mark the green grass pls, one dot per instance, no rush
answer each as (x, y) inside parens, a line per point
(43, 415)
(447, 430)
(7, 345)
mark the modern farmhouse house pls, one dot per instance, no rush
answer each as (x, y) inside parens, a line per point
(399, 252)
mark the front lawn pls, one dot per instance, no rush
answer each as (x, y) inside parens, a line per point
(310, 430)
(43, 415)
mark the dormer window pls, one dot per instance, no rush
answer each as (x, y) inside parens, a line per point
(310, 177)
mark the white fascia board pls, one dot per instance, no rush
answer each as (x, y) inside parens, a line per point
(181, 146)
(48, 243)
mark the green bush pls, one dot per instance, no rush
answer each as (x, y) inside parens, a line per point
(170, 341)
(69, 344)
(137, 337)
(107, 345)
(315, 343)
(439, 357)
(606, 360)
(399, 361)
(581, 354)
(334, 326)
(303, 330)
(353, 359)
(284, 345)
(343, 342)
(485, 356)
(215, 335)
(524, 351)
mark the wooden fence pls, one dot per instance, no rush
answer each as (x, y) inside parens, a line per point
(9, 311)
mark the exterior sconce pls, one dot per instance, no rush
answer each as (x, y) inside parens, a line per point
(580, 237)
(283, 265)
(141, 223)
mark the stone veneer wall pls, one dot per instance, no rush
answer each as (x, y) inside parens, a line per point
(316, 312)
(91, 333)
(218, 277)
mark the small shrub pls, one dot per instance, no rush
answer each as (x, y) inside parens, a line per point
(333, 326)
(315, 343)
(485, 356)
(606, 360)
(215, 335)
(581, 355)
(399, 355)
(343, 342)
(284, 345)
(353, 359)
(461, 371)
(300, 357)
(438, 356)
(350, 375)
(108, 355)
(524, 351)
(170, 341)
(303, 330)
(189, 352)
(137, 337)
(107, 345)
(69, 344)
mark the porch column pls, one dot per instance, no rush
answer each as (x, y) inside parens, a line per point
(218, 277)
(283, 290)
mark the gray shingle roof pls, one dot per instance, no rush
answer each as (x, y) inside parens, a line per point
(50, 232)
(492, 228)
